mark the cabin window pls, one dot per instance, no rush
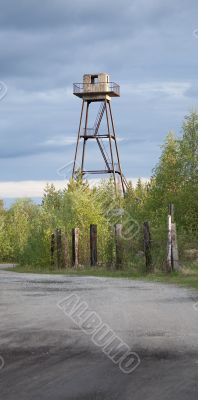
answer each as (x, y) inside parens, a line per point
(94, 79)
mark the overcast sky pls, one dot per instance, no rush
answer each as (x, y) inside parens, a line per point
(149, 47)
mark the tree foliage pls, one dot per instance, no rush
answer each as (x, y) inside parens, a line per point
(26, 228)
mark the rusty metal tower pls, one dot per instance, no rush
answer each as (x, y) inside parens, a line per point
(98, 88)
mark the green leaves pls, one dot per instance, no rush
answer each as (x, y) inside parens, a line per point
(26, 228)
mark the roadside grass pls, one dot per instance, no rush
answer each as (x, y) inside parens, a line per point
(188, 276)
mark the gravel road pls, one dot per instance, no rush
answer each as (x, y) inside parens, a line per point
(47, 356)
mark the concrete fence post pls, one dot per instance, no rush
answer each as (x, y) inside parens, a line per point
(75, 247)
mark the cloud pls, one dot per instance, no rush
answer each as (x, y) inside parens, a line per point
(26, 188)
(192, 90)
(35, 189)
(57, 141)
(146, 45)
(60, 13)
(149, 89)
(3, 90)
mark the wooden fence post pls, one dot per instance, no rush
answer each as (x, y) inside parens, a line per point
(175, 256)
(59, 248)
(147, 246)
(75, 247)
(169, 247)
(93, 244)
(52, 248)
(119, 246)
(64, 251)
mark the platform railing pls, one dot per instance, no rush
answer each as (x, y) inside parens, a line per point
(98, 87)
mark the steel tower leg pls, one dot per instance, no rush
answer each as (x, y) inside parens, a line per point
(85, 139)
(109, 156)
(117, 153)
(110, 145)
(78, 139)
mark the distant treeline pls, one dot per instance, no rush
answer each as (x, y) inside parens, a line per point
(26, 228)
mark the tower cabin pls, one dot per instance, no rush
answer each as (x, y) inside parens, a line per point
(96, 87)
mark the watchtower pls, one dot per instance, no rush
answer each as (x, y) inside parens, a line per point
(98, 88)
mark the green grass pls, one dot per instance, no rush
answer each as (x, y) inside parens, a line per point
(187, 277)
(175, 278)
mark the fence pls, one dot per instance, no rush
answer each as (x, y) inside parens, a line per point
(65, 251)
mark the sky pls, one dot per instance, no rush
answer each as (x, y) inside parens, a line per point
(149, 47)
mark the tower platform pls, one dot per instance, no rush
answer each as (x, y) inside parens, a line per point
(96, 87)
